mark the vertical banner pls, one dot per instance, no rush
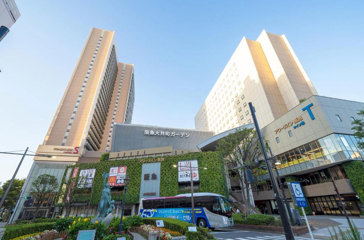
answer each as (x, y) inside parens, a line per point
(184, 171)
(117, 176)
(86, 178)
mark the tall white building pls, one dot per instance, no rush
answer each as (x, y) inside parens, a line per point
(265, 72)
(9, 13)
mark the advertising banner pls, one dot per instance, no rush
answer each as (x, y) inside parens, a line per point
(182, 214)
(86, 178)
(184, 171)
(117, 176)
(74, 175)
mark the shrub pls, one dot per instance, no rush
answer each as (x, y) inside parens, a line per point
(26, 236)
(259, 219)
(128, 222)
(116, 236)
(169, 223)
(201, 234)
(63, 223)
(238, 218)
(85, 224)
(13, 231)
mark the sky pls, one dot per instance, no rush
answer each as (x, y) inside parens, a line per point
(178, 47)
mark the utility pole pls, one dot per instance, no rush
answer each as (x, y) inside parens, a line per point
(126, 179)
(12, 179)
(192, 200)
(285, 221)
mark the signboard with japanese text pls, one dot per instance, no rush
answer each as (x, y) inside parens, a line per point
(298, 194)
(117, 176)
(184, 171)
(86, 178)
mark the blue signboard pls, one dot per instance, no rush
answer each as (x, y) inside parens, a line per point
(298, 194)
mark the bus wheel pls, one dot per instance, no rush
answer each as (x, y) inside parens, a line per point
(201, 223)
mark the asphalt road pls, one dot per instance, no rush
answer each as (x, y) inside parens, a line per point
(250, 235)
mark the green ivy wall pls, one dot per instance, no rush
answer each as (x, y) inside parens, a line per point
(354, 170)
(211, 180)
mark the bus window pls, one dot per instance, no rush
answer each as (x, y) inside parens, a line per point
(147, 204)
(159, 203)
(216, 206)
(204, 201)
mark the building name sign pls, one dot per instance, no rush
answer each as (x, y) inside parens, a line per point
(67, 150)
(298, 121)
(149, 132)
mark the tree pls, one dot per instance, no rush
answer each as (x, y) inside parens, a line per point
(13, 194)
(240, 151)
(43, 190)
(358, 127)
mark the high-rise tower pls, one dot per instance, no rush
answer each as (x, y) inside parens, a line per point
(99, 94)
(266, 72)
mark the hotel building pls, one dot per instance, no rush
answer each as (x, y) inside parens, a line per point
(99, 94)
(266, 72)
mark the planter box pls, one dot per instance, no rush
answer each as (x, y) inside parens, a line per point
(275, 229)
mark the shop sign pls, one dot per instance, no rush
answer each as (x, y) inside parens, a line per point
(86, 178)
(67, 150)
(298, 121)
(151, 160)
(184, 171)
(117, 176)
(150, 132)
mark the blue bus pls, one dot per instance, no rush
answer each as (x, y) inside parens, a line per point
(211, 210)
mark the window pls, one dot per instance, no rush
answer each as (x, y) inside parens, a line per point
(246, 112)
(241, 117)
(242, 97)
(338, 118)
(146, 177)
(277, 140)
(244, 104)
(154, 176)
(290, 133)
(240, 109)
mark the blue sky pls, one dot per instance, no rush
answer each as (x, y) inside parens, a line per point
(179, 48)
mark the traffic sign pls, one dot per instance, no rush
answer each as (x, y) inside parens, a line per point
(298, 194)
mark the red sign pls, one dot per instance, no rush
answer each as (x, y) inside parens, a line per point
(117, 176)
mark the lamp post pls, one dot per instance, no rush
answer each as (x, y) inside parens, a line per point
(191, 180)
(126, 179)
(286, 225)
(12, 179)
(275, 164)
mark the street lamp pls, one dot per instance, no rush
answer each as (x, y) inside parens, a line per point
(191, 179)
(285, 222)
(277, 163)
(126, 180)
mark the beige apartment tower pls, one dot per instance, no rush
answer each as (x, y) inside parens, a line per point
(265, 72)
(99, 94)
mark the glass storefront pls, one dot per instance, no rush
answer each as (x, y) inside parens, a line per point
(329, 205)
(330, 149)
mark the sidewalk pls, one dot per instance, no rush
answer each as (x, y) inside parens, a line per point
(324, 224)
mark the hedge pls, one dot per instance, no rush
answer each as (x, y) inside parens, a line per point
(211, 179)
(256, 219)
(354, 170)
(13, 231)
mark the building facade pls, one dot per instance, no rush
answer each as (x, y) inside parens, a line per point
(99, 94)
(266, 72)
(131, 137)
(314, 144)
(9, 14)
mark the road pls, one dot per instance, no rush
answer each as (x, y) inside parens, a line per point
(250, 235)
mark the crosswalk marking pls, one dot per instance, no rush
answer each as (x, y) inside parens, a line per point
(271, 237)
